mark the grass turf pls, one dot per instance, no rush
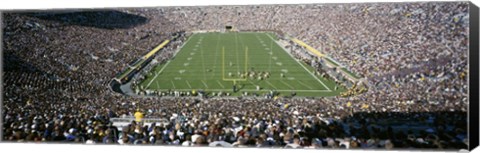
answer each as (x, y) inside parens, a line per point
(206, 60)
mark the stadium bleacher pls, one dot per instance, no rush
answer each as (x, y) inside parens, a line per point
(413, 55)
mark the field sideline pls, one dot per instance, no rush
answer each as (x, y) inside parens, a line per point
(214, 61)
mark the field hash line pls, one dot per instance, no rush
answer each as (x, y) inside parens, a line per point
(204, 84)
(216, 53)
(203, 62)
(173, 84)
(271, 84)
(188, 84)
(287, 84)
(313, 75)
(219, 83)
(300, 82)
(252, 82)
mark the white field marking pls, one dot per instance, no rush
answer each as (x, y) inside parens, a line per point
(271, 84)
(216, 53)
(287, 84)
(290, 78)
(302, 66)
(173, 84)
(188, 84)
(194, 49)
(168, 62)
(264, 45)
(251, 82)
(270, 59)
(274, 57)
(186, 64)
(236, 52)
(251, 90)
(304, 84)
(284, 70)
(279, 63)
(267, 48)
(181, 71)
(192, 53)
(156, 75)
(158, 85)
(203, 63)
(271, 54)
(219, 83)
(189, 58)
(246, 53)
(204, 84)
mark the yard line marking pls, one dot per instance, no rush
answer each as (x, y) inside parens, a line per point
(236, 52)
(220, 84)
(216, 53)
(174, 54)
(156, 75)
(287, 84)
(204, 84)
(203, 63)
(271, 84)
(304, 84)
(302, 66)
(271, 54)
(173, 84)
(249, 90)
(188, 84)
(246, 54)
(158, 86)
(251, 82)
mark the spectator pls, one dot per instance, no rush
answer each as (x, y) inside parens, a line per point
(413, 56)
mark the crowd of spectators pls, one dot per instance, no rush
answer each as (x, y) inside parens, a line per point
(413, 56)
(407, 52)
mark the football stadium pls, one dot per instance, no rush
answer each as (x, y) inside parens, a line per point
(342, 76)
(216, 62)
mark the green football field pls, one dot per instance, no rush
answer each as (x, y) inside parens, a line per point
(213, 62)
